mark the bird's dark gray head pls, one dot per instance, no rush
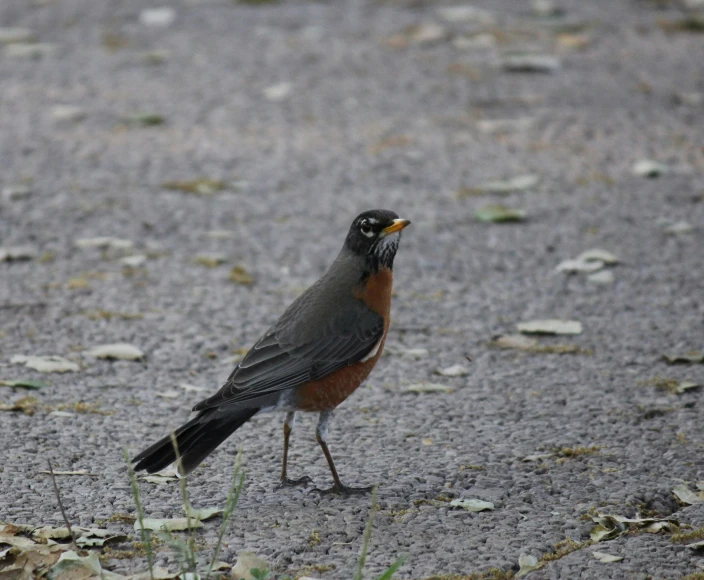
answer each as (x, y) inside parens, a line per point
(375, 235)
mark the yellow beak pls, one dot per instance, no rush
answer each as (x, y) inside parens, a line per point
(396, 226)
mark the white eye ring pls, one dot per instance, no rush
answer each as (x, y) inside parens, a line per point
(366, 229)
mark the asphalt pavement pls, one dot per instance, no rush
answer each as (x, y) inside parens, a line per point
(224, 149)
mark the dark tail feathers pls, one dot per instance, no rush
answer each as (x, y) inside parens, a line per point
(195, 440)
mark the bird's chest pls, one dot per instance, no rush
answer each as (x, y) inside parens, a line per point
(331, 390)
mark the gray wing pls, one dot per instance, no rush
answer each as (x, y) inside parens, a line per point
(274, 365)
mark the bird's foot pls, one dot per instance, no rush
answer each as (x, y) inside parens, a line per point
(344, 490)
(286, 482)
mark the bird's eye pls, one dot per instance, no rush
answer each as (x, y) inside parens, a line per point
(365, 228)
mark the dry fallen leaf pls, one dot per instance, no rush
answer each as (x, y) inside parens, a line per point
(17, 253)
(168, 525)
(167, 475)
(25, 384)
(612, 526)
(550, 326)
(247, 561)
(649, 168)
(527, 564)
(46, 364)
(606, 558)
(457, 14)
(201, 186)
(26, 405)
(513, 341)
(453, 371)
(144, 119)
(686, 495)
(472, 505)
(598, 255)
(428, 388)
(538, 457)
(211, 260)
(603, 277)
(202, 513)
(117, 351)
(499, 214)
(78, 472)
(192, 388)
(691, 357)
(579, 266)
(103, 243)
(240, 276)
(16, 35)
(512, 185)
(530, 63)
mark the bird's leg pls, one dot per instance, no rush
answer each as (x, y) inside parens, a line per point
(285, 481)
(321, 433)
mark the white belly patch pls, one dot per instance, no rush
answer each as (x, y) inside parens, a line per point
(373, 351)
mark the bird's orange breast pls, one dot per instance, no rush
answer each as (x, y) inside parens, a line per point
(333, 389)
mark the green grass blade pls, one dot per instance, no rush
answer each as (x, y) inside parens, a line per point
(145, 535)
(367, 537)
(188, 551)
(233, 498)
(388, 574)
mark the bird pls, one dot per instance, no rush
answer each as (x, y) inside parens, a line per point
(316, 355)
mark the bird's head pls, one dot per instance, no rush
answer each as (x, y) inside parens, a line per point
(375, 235)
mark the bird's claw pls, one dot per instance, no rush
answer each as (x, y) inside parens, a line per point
(286, 482)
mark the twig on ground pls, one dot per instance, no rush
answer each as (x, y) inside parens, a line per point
(61, 505)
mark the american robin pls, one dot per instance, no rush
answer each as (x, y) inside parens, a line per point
(315, 356)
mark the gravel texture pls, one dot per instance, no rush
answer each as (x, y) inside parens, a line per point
(310, 112)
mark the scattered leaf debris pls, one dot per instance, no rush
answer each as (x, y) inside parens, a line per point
(103, 243)
(202, 513)
(246, 563)
(84, 472)
(605, 558)
(211, 260)
(26, 405)
(46, 364)
(530, 63)
(25, 384)
(672, 386)
(16, 35)
(453, 371)
(649, 168)
(550, 326)
(117, 351)
(144, 119)
(692, 23)
(168, 524)
(200, 186)
(690, 357)
(678, 228)
(423, 34)
(533, 346)
(686, 495)
(239, 275)
(612, 526)
(499, 214)
(527, 563)
(472, 505)
(428, 388)
(17, 253)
